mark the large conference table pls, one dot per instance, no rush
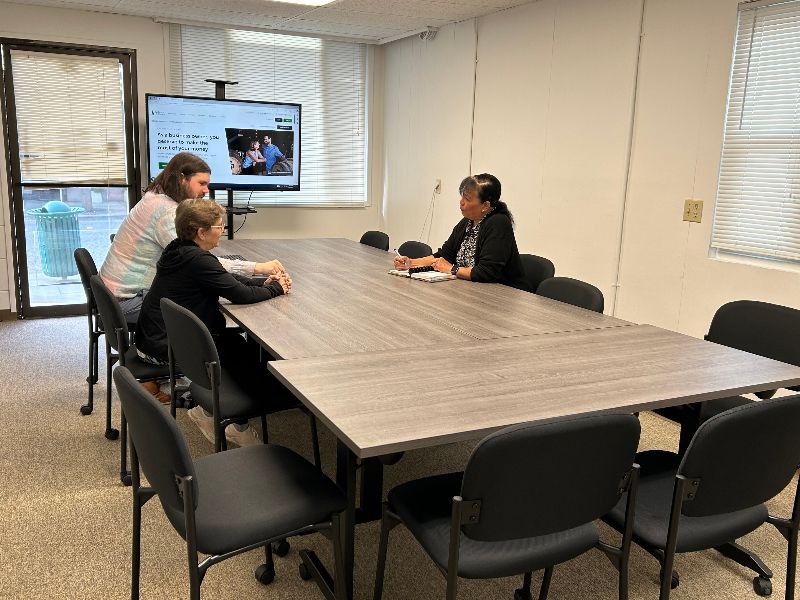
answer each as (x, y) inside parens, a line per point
(390, 364)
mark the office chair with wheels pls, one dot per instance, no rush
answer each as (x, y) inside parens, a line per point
(213, 387)
(278, 494)
(376, 239)
(572, 291)
(737, 461)
(120, 349)
(413, 249)
(537, 269)
(514, 509)
(86, 268)
(769, 330)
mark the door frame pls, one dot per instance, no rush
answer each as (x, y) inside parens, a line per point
(127, 58)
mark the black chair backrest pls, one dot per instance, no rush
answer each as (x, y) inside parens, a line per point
(376, 239)
(413, 249)
(743, 457)
(572, 291)
(86, 268)
(111, 315)
(159, 444)
(761, 328)
(191, 343)
(537, 269)
(539, 478)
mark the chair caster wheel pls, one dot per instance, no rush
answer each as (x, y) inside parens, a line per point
(112, 434)
(522, 595)
(265, 574)
(86, 410)
(675, 580)
(125, 478)
(281, 548)
(762, 586)
(305, 574)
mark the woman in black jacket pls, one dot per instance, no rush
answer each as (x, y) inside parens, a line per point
(191, 276)
(482, 246)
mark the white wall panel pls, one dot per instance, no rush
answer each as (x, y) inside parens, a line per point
(427, 117)
(552, 121)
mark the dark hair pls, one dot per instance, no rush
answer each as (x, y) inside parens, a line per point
(168, 182)
(487, 187)
(196, 214)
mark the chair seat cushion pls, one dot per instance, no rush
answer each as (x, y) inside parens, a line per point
(656, 484)
(251, 494)
(141, 370)
(237, 401)
(425, 506)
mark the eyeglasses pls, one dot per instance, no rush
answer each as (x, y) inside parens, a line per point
(223, 227)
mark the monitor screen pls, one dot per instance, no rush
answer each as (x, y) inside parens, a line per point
(248, 145)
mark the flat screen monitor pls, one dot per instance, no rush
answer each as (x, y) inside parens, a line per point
(248, 145)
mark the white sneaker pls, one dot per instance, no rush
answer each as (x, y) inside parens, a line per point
(204, 422)
(246, 437)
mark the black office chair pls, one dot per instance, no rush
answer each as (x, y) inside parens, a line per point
(737, 461)
(769, 330)
(120, 349)
(537, 269)
(87, 268)
(214, 388)
(515, 509)
(413, 249)
(572, 291)
(376, 239)
(278, 494)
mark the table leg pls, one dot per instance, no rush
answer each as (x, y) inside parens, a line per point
(346, 479)
(371, 490)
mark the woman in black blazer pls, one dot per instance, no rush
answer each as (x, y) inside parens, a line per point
(482, 246)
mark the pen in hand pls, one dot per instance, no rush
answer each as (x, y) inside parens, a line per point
(405, 264)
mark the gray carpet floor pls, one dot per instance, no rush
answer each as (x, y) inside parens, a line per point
(65, 519)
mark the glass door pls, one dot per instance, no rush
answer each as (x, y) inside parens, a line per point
(70, 116)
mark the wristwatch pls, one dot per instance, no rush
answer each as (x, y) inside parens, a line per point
(454, 270)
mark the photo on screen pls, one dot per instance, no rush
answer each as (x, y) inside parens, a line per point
(260, 152)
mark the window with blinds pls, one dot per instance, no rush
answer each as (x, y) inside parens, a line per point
(70, 119)
(757, 210)
(328, 78)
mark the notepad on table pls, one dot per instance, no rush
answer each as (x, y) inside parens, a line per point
(428, 276)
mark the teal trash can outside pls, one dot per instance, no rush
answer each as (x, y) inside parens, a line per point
(59, 235)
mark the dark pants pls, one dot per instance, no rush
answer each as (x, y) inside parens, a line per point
(243, 359)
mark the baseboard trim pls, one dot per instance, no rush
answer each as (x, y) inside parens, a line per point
(7, 315)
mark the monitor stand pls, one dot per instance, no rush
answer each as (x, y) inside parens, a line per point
(219, 94)
(232, 210)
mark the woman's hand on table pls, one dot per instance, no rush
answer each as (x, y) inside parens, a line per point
(270, 267)
(442, 265)
(283, 279)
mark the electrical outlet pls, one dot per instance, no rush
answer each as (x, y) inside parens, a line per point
(693, 210)
(437, 189)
